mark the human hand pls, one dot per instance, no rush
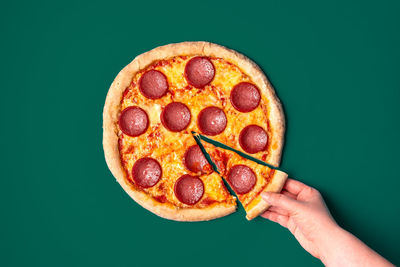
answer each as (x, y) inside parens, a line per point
(301, 209)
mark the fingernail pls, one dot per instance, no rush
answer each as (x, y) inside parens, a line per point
(265, 196)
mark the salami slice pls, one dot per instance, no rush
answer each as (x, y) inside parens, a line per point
(146, 172)
(199, 71)
(175, 116)
(189, 189)
(253, 139)
(212, 121)
(195, 161)
(245, 97)
(242, 179)
(133, 121)
(153, 84)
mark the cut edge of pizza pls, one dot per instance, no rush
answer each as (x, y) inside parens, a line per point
(248, 179)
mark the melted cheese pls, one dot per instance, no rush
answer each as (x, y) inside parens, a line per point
(169, 147)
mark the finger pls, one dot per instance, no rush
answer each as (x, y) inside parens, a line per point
(275, 217)
(294, 186)
(279, 210)
(281, 201)
(286, 193)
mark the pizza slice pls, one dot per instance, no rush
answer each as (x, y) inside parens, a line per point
(247, 178)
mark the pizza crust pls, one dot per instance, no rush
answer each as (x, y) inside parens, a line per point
(112, 107)
(258, 205)
(174, 213)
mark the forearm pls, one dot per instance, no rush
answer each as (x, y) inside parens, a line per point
(341, 248)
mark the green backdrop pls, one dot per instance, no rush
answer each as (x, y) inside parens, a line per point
(335, 66)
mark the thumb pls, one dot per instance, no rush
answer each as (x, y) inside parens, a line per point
(281, 201)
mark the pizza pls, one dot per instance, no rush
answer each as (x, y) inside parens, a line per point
(160, 98)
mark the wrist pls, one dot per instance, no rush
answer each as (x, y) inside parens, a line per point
(329, 240)
(336, 247)
(341, 248)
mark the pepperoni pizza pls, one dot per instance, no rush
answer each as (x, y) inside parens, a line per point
(163, 95)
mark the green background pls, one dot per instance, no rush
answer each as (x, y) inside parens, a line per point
(335, 66)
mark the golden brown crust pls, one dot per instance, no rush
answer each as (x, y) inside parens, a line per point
(112, 108)
(259, 206)
(178, 214)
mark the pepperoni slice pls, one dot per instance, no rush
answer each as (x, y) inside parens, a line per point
(242, 179)
(146, 172)
(189, 189)
(133, 121)
(199, 71)
(175, 116)
(253, 139)
(195, 161)
(245, 97)
(153, 84)
(212, 121)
